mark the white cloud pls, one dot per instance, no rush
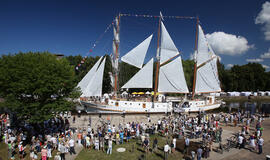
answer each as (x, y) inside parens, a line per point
(224, 43)
(230, 65)
(256, 60)
(265, 66)
(266, 55)
(264, 19)
(191, 56)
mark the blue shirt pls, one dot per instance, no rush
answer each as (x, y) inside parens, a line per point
(121, 135)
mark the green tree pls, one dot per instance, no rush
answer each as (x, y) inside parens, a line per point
(34, 85)
(188, 66)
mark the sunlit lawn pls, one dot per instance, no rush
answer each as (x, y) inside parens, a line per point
(4, 153)
(128, 154)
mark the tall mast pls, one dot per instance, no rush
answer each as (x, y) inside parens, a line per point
(116, 55)
(158, 61)
(195, 65)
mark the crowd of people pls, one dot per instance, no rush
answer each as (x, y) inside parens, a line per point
(57, 135)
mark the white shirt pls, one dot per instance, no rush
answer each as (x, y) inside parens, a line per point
(166, 148)
(113, 129)
(89, 129)
(174, 143)
(110, 144)
(260, 142)
(240, 139)
(53, 139)
(71, 143)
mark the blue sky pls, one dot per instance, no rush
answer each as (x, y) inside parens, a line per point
(237, 30)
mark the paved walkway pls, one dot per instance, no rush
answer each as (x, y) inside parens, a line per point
(233, 154)
(73, 156)
(77, 148)
(247, 154)
(236, 154)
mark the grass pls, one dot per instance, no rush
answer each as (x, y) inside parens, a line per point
(4, 153)
(128, 154)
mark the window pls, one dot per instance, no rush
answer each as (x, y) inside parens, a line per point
(116, 104)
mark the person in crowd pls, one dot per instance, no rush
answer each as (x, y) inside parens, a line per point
(155, 144)
(109, 151)
(146, 145)
(62, 150)
(71, 144)
(260, 145)
(199, 153)
(44, 152)
(166, 151)
(186, 146)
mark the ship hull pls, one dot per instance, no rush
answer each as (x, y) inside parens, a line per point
(114, 106)
(198, 108)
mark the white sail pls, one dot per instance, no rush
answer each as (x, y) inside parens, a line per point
(94, 88)
(87, 78)
(136, 56)
(171, 77)
(203, 54)
(207, 74)
(167, 48)
(143, 78)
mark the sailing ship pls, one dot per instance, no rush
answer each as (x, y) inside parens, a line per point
(169, 77)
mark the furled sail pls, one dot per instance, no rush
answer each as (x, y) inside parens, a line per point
(136, 56)
(171, 77)
(87, 78)
(94, 88)
(167, 48)
(114, 59)
(143, 78)
(116, 41)
(116, 35)
(206, 61)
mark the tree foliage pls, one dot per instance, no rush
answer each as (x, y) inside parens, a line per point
(249, 77)
(34, 85)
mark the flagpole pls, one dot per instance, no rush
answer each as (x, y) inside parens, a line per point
(195, 65)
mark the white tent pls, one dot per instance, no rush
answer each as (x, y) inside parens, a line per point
(215, 94)
(261, 93)
(233, 94)
(147, 92)
(245, 94)
(124, 93)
